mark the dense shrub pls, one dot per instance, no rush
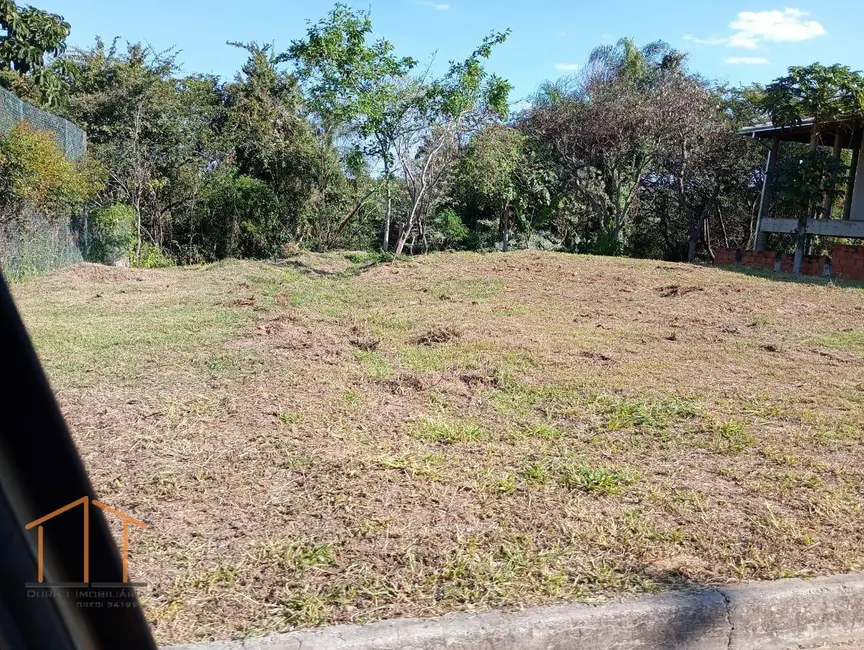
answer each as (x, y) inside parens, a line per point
(449, 229)
(152, 257)
(111, 234)
(35, 174)
(241, 218)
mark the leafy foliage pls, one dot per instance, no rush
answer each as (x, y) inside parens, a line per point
(34, 173)
(112, 234)
(814, 91)
(31, 35)
(341, 141)
(801, 181)
(243, 218)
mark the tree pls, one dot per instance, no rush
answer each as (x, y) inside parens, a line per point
(267, 136)
(645, 152)
(439, 117)
(822, 93)
(355, 87)
(31, 35)
(148, 128)
(701, 159)
(500, 170)
(625, 60)
(491, 166)
(604, 140)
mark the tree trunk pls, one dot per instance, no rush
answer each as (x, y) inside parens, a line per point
(801, 239)
(137, 207)
(698, 226)
(404, 231)
(695, 237)
(706, 237)
(385, 240)
(722, 226)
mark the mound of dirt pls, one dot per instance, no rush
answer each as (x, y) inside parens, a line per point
(440, 334)
(89, 272)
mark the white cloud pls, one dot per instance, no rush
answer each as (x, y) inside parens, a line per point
(752, 28)
(714, 40)
(607, 39)
(747, 60)
(436, 6)
(562, 34)
(567, 67)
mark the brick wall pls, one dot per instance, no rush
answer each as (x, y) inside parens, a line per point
(761, 260)
(846, 261)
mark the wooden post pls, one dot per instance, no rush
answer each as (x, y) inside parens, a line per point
(803, 217)
(761, 239)
(828, 200)
(853, 169)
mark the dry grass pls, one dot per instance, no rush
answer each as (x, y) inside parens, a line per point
(325, 442)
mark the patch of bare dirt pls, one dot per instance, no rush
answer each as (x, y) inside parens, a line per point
(363, 340)
(438, 334)
(673, 290)
(89, 272)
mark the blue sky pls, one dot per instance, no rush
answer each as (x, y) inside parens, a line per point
(735, 41)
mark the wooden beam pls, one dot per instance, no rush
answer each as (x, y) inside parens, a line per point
(828, 199)
(761, 239)
(850, 182)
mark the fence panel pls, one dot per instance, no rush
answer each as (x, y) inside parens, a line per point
(72, 139)
(34, 243)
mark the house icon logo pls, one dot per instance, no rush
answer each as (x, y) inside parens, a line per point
(85, 503)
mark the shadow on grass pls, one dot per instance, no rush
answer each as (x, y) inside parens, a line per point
(778, 276)
(307, 269)
(318, 272)
(358, 263)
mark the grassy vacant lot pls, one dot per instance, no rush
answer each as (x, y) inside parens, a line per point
(320, 442)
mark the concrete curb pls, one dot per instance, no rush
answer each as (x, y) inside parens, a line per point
(783, 614)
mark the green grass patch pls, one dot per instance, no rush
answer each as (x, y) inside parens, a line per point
(853, 340)
(372, 257)
(537, 472)
(594, 480)
(448, 433)
(731, 437)
(374, 365)
(426, 465)
(478, 289)
(650, 413)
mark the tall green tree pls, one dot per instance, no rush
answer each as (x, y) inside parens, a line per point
(500, 170)
(31, 40)
(148, 127)
(268, 136)
(440, 118)
(355, 88)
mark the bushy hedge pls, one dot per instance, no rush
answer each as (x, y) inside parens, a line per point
(41, 195)
(111, 234)
(242, 218)
(35, 174)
